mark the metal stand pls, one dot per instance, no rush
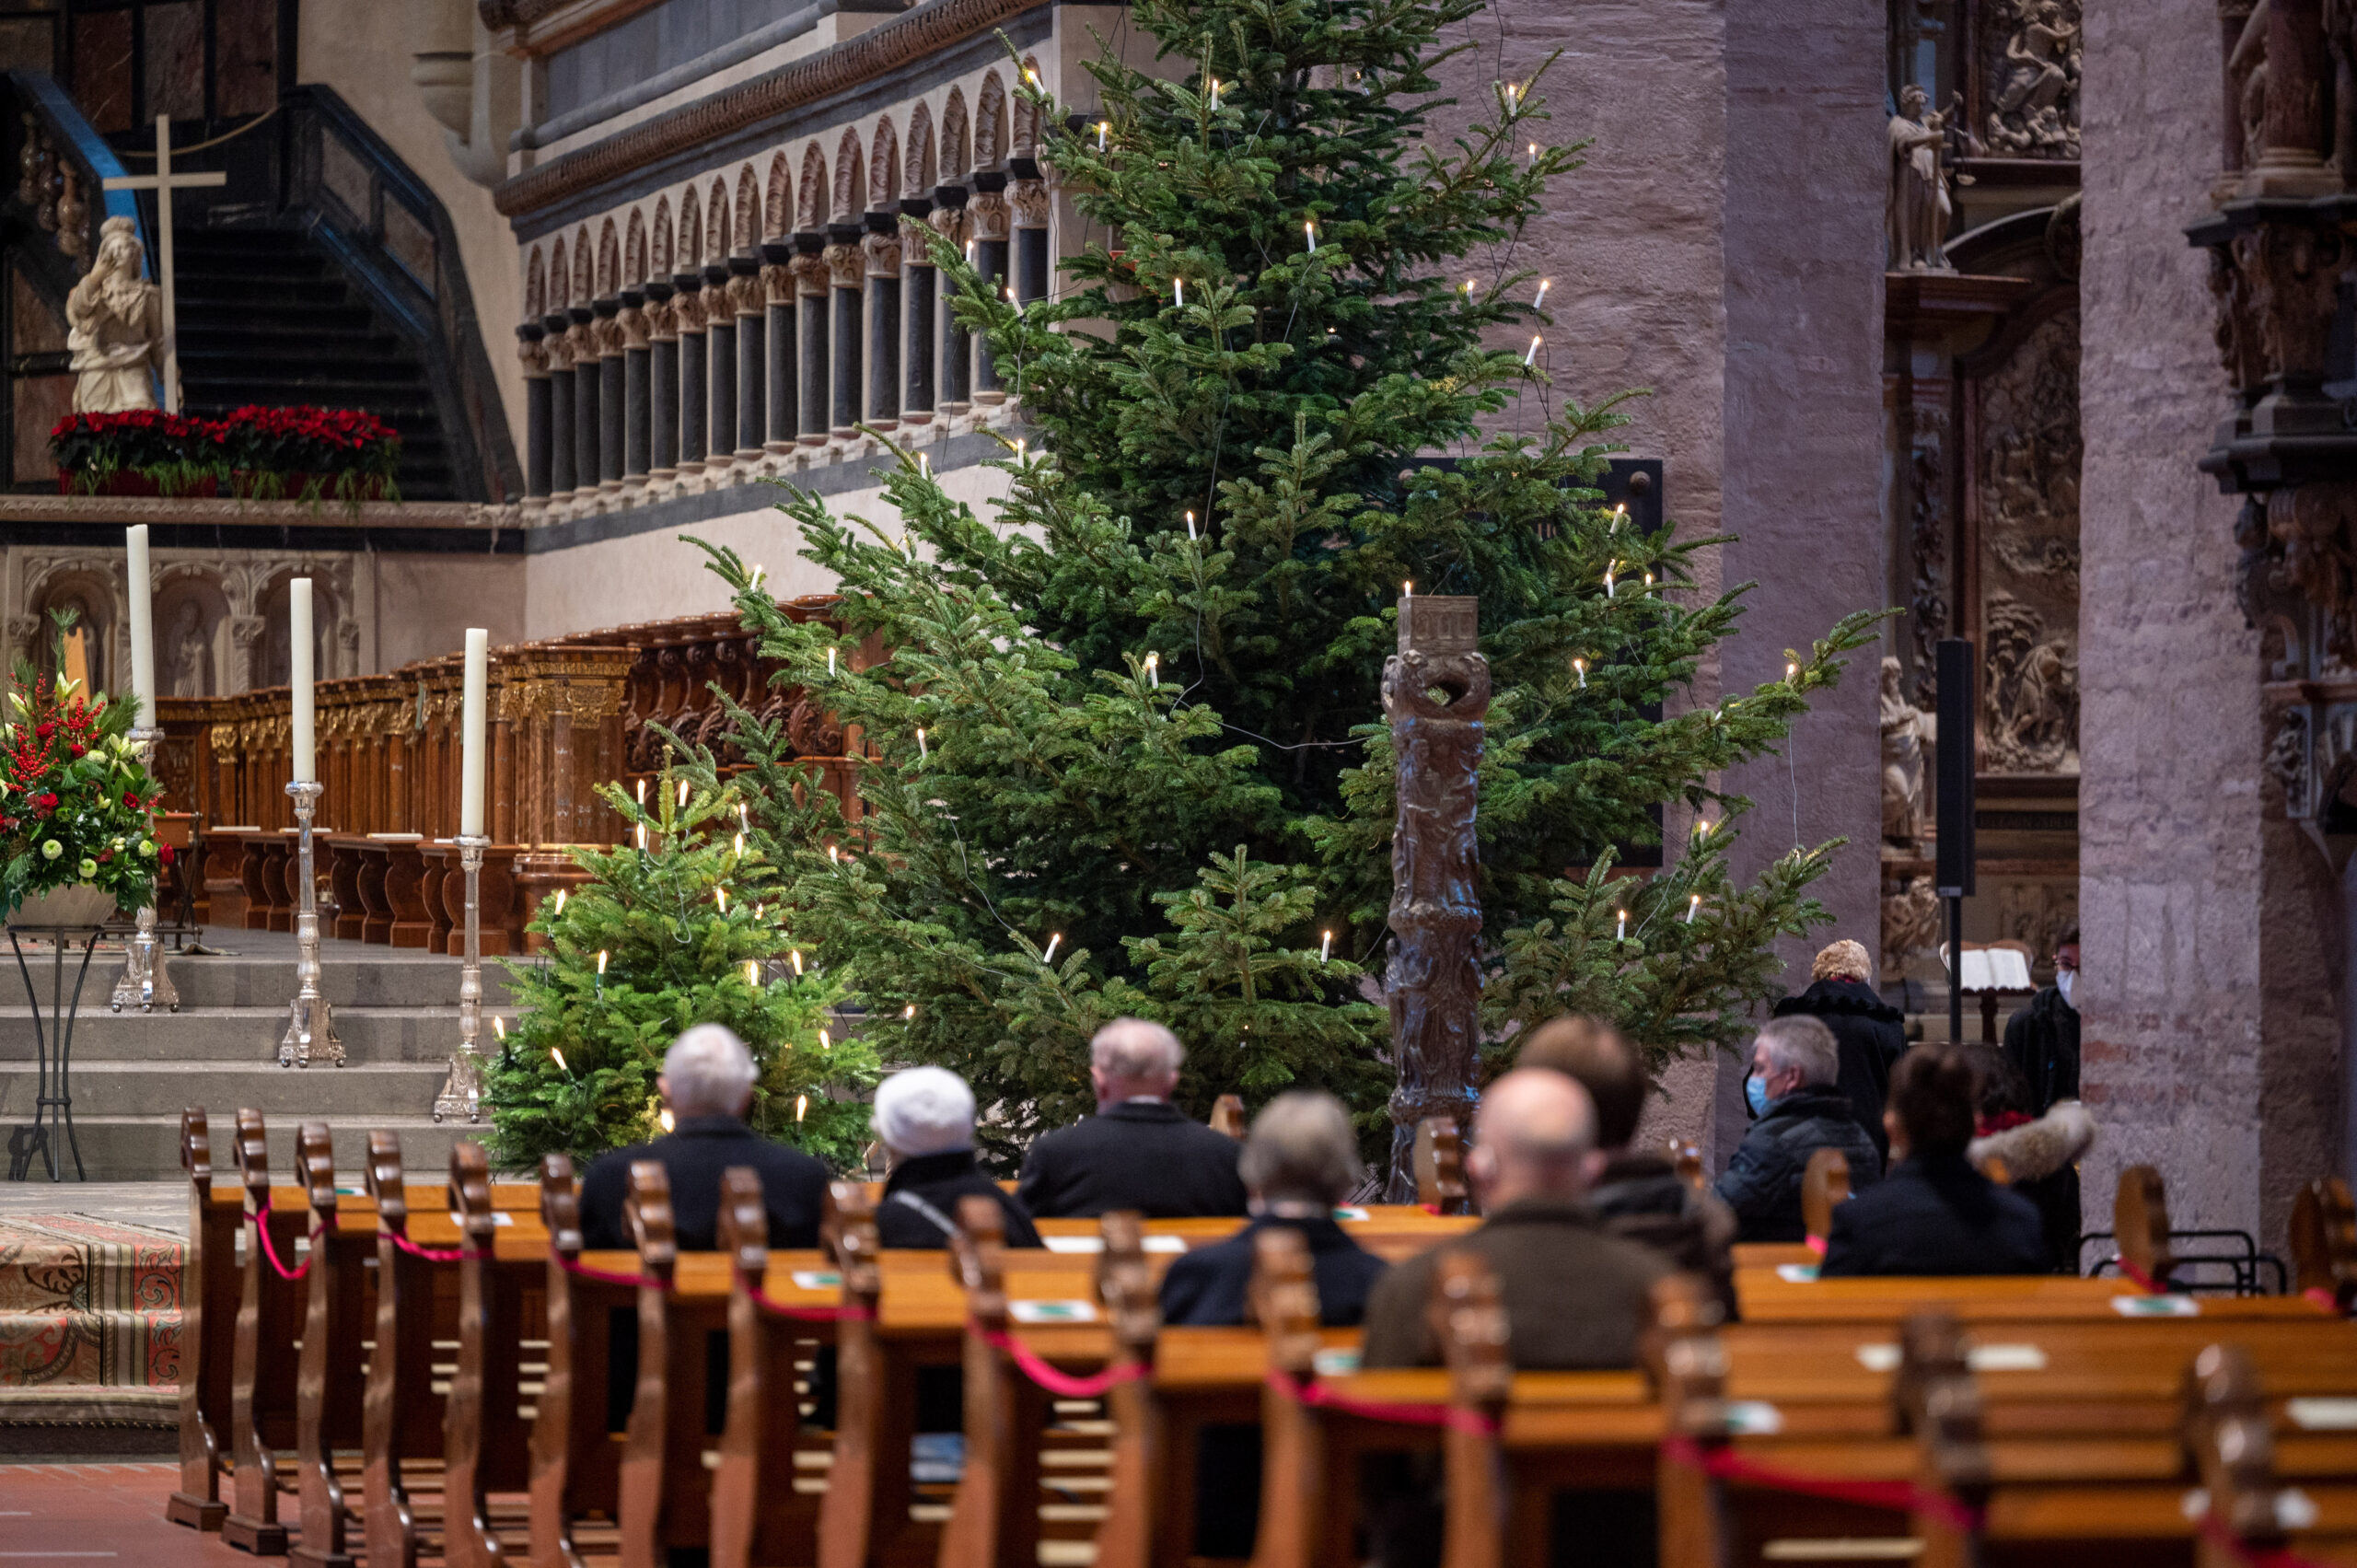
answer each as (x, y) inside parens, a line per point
(143, 982)
(52, 1093)
(310, 1030)
(462, 1090)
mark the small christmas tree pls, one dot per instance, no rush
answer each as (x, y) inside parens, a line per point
(671, 930)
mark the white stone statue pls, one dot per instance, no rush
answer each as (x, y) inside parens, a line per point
(1918, 207)
(116, 327)
(1905, 728)
(191, 654)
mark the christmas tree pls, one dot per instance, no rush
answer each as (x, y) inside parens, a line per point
(673, 928)
(1126, 739)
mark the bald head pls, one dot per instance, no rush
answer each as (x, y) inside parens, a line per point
(1535, 1137)
(1132, 1058)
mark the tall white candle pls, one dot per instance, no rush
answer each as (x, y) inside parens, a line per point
(471, 749)
(298, 634)
(143, 624)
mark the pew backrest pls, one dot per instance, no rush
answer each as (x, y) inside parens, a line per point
(1284, 1299)
(1125, 1284)
(2139, 1223)
(1440, 1165)
(2323, 1241)
(1227, 1115)
(978, 1261)
(1825, 1186)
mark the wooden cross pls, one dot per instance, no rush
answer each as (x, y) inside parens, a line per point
(164, 182)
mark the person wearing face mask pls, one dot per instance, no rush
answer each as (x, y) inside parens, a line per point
(1795, 1092)
(2042, 1040)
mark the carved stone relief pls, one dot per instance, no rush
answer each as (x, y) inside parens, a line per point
(2030, 77)
(2028, 489)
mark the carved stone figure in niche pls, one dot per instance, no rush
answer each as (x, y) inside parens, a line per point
(1911, 921)
(2029, 506)
(116, 319)
(1917, 215)
(2030, 718)
(2036, 912)
(2034, 71)
(1905, 728)
(191, 649)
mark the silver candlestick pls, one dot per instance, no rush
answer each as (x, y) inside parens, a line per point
(462, 1090)
(310, 1030)
(144, 983)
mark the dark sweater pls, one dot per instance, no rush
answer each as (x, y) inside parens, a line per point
(1763, 1183)
(1210, 1286)
(937, 1182)
(1140, 1155)
(1935, 1214)
(695, 1154)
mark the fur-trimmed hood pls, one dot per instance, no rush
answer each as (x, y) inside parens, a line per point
(2038, 1149)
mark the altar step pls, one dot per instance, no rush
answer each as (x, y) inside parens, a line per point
(89, 1331)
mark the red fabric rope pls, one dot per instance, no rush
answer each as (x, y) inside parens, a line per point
(573, 1266)
(1322, 1397)
(2143, 1280)
(777, 1308)
(1817, 1244)
(1064, 1384)
(434, 1254)
(1899, 1496)
(2272, 1557)
(261, 1228)
(2323, 1298)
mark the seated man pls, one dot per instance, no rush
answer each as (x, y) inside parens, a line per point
(1300, 1161)
(925, 1117)
(707, 1082)
(1638, 1194)
(1794, 1090)
(1933, 1213)
(1575, 1296)
(1139, 1151)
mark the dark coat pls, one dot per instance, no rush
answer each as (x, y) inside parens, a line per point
(1140, 1155)
(1872, 1035)
(937, 1181)
(695, 1154)
(1643, 1198)
(1935, 1214)
(1211, 1286)
(1575, 1295)
(1763, 1183)
(2042, 1042)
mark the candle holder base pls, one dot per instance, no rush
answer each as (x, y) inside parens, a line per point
(461, 1093)
(311, 1025)
(145, 984)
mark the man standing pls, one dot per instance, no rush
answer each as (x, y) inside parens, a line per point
(1869, 1032)
(1794, 1090)
(2042, 1040)
(1139, 1151)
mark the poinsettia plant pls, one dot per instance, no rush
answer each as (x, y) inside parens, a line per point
(175, 453)
(76, 804)
(343, 452)
(307, 454)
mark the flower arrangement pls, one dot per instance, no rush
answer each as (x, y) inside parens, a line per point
(76, 804)
(304, 454)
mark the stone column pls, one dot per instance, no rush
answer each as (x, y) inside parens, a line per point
(847, 271)
(1030, 200)
(957, 360)
(883, 250)
(558, 342)
(809, 268)
(720, 345)
(784, 406)
(917, 313)
(989, 213)
(532, 348)
(608, 332)
(662, 382)
(2290, 155)
(637, 371)
(693, 382)
(749, 301)
(586, 374)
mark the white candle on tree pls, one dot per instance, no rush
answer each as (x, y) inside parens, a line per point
(470, 733)
(143, 624)
(299, 646)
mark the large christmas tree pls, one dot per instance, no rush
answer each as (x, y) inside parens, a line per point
(1126, 738)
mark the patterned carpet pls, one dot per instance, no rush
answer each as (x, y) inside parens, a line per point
(88, 1307)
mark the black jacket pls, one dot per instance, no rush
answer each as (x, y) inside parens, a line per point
(1763, 1183)
(937, 1182)
(1643, 1198)
(1872, 1035)
(1210, 1287)
(1140, 1155)
(1935, 1214)
(696, 1153)
(2042, 1042)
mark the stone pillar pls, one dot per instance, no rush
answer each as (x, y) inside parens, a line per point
(917, 314)
(693, 381)
(558, 342)
(637, 372)
(784, 405)
(532, 348)
(989, 214)
(847, 271)
(810, 284)
(883, 249)
(956, 359)
(2291, 139)
(746, 296)
(662, 382)
(587, 376)
(720, 345)
(608, 332)
(1030, 200)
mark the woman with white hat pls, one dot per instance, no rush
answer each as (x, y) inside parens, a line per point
(925, 1117)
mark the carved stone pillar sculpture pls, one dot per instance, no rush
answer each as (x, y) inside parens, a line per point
(607, 331)
(586, 377)
(720, 347)
(883, 250)
(1431, 983)
(749, 302)
(637, 373)
(809, 270)
(532, 349)
(1030, 200)
(558, 344)
(782, 405)
(989, 214)
(662, 382)
(957, 347)
(847, 271)
(694, 377)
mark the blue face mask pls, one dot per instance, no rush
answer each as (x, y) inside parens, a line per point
(1754, 1092)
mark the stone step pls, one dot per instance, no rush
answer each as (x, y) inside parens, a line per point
(259, 972)
(162, 1089)
(250, 1035)
(146, 1148)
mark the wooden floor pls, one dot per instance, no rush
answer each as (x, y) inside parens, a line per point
(97, 1513)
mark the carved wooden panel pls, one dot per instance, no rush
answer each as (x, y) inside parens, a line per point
(2025, 501)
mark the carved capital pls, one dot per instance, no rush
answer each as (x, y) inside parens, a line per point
(883, 255)
(2295, 273)
(580, 345)
(988, 213)
(1030, 200)
(846, 265)
(777, 284)
(717, 310)
(535, 355)
(809, 273)
(607, 331)
(557, 352)
(2237, 333)
(952, 224)
(632, 325)
(662, 321)
(2310, 526)
(746, 294)
(690, 311)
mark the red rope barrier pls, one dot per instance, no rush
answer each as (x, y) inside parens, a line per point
(1323, 1398)
(2151, 1286)
(1815, 1244)
(1899, 1496)
(434, 1254)
(573, 1266)
(261, 1228)
(2323, 1298)
(1064, 1384)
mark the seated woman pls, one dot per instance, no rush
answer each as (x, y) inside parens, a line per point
(1933, 1213)
(2039, 1155)
(925, 1117)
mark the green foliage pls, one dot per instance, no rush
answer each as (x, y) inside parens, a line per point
(1148, 685)
(670, 930)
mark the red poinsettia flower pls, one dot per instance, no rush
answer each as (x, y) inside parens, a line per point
(163, 854)
(131, 798)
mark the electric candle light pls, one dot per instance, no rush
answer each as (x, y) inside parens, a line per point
(642, 792)
(826, 1041)
(923, 754)
(1309, 232)
(1693, 907)
(1102, 126)
(642, 836)
(1791, 670)
(683, 792)
(300, 648)
(834, 856)
(1621, 932)
(797, 956)
(560, 901)
(752, 974)
(1579, 667)
(1214, 92)
(665, 1118)
(1408, 589)
(558, 1056)
(910, 1011)
(1540, 299)
(1178, 292)
(1326, 947)
(143, 624)
(499, 1027)
(1049, 955)
(801, 1104)
(737, 845)
(1191, 526)
(1531, 357)
(1021, 445)
(602, 963)
(1607, 578)
(720, 896)
(830, 661)
(1154, 671)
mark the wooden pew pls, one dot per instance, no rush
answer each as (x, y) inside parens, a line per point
(2324, 1243)
(401, 1440)
(1227, 1115)
(209, 1281)
(1440, 1167)
(486, 1443)
(995, 1517)
(2139, 1223)
(1143, 1504)
(666, 1500)
(262, 1392)
(760, 1518)
(331, 1370)
(576, 1470)
(1825, 1186)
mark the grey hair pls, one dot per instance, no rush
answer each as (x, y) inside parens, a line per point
(1302, 1145)
(708, 1071)
(1132, 1047)
(1801, 1041)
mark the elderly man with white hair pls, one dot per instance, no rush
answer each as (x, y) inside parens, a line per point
(1139, 1151)
(925, 1117)
(707, 1082)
